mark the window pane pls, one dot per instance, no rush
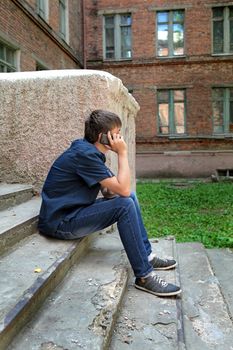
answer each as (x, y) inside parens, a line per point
(178, 16)
(109, 21)
(218, 116)
(231, 93)
(109, 41)
(126, 19)
(231, 112)
(163, 40)
(162, 17)
(217, 12)
(10, 56)
(2, 52)
(9, 70)
(231, 11)
(126, 42)
(163, 96)
(179, 117)
(178, 39)
(110, 54)
(178, 95)
(218, 36)
(163, 118)
(231, 36)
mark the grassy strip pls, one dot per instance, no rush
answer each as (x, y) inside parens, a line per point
(193, 212)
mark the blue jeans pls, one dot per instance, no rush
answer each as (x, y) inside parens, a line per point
(105, 212)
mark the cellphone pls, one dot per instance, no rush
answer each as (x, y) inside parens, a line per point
(104, 139)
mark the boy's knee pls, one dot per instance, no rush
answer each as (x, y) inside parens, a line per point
(125, 202)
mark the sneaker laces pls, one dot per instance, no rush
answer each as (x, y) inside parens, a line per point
(158, 279)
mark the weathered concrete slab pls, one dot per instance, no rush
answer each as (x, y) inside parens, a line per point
(18, 222)
(44, 127)
(22, 289)
(221, 261)
(207, 323)
(14, 194)
(80, 313)
(146, 321)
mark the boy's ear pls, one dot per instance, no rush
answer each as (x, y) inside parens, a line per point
(99, 137)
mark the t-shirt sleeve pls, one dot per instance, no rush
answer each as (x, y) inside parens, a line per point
(91, 168)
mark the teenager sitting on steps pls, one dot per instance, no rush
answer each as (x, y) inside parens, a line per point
(70, 209)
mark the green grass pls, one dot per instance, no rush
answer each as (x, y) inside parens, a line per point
(200, 212)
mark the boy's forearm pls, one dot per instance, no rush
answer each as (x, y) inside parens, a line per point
(123, 175)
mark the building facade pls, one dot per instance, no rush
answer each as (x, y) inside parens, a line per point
(40, 34)
(176, 57)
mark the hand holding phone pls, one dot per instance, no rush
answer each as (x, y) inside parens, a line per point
(104, 140)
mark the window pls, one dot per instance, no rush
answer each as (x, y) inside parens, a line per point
(40, 66)
(222, 103)
(223, 29)
(170, 33)
(171, 112)
(63, 20)
(7, 58)
(117, 37)
(42, 9)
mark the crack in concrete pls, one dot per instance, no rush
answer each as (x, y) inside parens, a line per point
(107, 298)
(51, 346)
(163, 323)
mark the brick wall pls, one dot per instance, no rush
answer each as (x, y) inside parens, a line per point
(197, 72)
(38, 40)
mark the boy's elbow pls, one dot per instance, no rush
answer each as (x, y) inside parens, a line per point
(125, 193)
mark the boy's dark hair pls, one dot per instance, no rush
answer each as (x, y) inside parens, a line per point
(100, 121)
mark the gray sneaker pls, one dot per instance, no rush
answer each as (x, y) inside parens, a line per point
(163, 264)
(155, 285)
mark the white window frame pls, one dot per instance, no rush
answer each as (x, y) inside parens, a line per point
(170, 39)
(43, 9)
(7, 65)
(171, 116)
(226, 111)
(226, 31)
(117, 37)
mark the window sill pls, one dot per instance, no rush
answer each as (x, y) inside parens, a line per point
(170, 57)
(197, 137)
(222, 54)
(117, 60)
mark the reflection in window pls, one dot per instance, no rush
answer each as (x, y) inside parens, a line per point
(117, 36)
(171, 112)
(222, 106)
(222, 29)
(170, 33)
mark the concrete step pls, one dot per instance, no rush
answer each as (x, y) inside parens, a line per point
(221, 261)
(81, 312)
(18, 222)
(22, 290)
(146, 321)
(207, 324)
(14, 194)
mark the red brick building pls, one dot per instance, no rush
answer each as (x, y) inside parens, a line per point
(176, 57)
(40, 34)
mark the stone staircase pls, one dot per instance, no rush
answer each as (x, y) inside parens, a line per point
(66, 295)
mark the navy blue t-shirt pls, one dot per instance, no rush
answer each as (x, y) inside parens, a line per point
(72, 183)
